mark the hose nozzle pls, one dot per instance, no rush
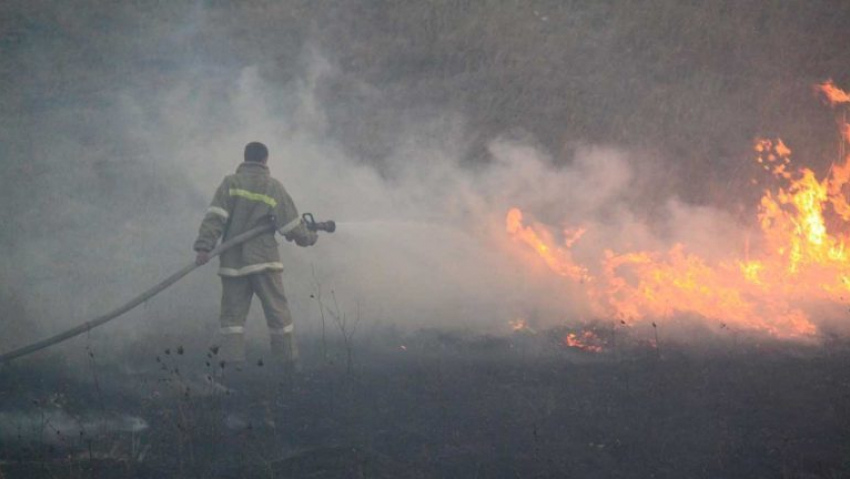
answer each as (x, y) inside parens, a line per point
(313, 225)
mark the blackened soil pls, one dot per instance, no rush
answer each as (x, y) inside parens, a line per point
(437, 404)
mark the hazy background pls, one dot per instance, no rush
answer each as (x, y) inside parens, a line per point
(416, 125)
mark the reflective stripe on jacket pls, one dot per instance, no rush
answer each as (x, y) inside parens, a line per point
(242, 201)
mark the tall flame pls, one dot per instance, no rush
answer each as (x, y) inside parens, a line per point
(801, 262)
(559, 259)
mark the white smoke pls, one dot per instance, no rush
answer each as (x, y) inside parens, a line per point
(421, 238)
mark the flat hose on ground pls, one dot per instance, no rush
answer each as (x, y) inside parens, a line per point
(89, 325)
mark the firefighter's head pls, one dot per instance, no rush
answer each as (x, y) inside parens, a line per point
(256, 152)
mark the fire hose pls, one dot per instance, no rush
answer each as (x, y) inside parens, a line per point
(309, 222)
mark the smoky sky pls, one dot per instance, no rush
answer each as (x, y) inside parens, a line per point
(415, 125)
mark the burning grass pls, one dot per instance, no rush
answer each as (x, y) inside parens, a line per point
(798, 263)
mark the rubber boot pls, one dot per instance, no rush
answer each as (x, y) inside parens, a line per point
(285, 350)
(232, 348)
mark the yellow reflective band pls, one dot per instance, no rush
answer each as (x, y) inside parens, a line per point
(253, 196)
(250, 269)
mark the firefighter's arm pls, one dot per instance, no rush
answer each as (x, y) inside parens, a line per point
(289, 223)
(212, 227)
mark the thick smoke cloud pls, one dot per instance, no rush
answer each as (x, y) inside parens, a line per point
(421, 239)
(108, 188)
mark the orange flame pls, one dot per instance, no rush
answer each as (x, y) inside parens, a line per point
(587, 341)
(834, 94)
(802, 262)
(520, 325)
(556, 258)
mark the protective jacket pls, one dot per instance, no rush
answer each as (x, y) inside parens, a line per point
(244, 200)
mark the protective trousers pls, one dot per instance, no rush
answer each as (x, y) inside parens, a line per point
(236, 296)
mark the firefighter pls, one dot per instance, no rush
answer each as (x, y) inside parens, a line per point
(244, 200)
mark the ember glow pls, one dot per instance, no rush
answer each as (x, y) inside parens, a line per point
(520, 325)
(832, 93)
(797, 262)
(586, 341)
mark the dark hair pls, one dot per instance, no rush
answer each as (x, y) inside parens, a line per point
(256, 151)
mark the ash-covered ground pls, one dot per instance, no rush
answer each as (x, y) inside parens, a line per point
(433, 403)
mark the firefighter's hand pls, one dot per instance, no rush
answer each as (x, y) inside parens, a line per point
(308, 239)
(202, 257)
(302, 236)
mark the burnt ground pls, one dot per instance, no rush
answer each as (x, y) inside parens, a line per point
(440, 404)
